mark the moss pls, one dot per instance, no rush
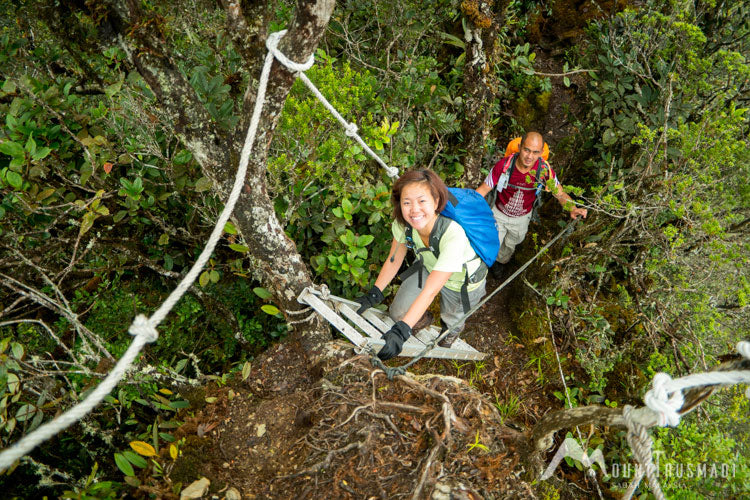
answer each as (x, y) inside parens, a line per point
(196, 396)
(524, 112)
(631, 380)
(542, 101)
(190, 465)
(548, 492)
(471, 10)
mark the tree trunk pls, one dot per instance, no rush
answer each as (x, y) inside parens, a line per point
(484, 19)
(273, 255)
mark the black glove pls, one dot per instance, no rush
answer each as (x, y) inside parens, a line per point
(371, 298)
(394, 340)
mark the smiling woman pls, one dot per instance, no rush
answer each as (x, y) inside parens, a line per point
(418, 197)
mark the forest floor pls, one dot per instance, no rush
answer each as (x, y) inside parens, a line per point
(450, 429)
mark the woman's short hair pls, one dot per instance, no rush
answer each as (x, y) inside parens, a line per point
(436, 185)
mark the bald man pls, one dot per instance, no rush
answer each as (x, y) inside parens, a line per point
(517, 184)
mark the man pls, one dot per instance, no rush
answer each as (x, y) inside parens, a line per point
(517, 190)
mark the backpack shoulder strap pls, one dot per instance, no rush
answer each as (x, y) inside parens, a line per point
(510, 164)
(507, 171)
(438, 230)
(541, 173)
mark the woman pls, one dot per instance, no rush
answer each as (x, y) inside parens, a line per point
(418, 198)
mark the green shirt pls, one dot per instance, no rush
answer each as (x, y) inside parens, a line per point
(455, 250)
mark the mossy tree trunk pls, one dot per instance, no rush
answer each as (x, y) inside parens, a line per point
(484, 21)
(141, 33)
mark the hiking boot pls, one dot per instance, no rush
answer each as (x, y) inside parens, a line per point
(497, 270)
(424, 321)
(448, 340)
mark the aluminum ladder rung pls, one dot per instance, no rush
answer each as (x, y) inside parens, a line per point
(373, 323)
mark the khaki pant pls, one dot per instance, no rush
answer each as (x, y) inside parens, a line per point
(451, 308)
(511, 231)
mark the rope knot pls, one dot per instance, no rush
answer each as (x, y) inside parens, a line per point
(392, 172)
(664, 404)
(324, 292)
(272, 44)
(351, 129)
(141, 326)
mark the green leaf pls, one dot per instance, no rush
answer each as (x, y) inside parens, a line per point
(9, 87)
(124, 465)
(169, 438)
(203, 184)
(14, 179)
(246, 370)
(214, 276)
(374, 218)
(348, 238)
(609, 137)
(346, 205)
(262, 293)
(182, 157)
(135, 459)
(365, 240)
(111, 90)
(239, 248)
(41, 153)
(25, 412)
(181, 365)
(30, 145)
(11, 148)
(87, 222)
(204, 279)
(229, 228)
(163, 239)
(270, 309)
(17, 350)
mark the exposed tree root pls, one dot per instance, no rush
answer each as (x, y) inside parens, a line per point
(407, 432)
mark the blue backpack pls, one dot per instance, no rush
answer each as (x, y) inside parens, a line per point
(470, 210)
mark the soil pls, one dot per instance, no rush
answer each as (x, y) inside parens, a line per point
(341, 429)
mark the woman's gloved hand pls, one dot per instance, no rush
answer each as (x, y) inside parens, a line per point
(394, 340)
(371, 298)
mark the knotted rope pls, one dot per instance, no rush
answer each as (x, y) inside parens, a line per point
(665, 400)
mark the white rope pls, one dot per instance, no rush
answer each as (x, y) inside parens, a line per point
(144, 329)
(664, 401)
(640, 442)
(272, 43)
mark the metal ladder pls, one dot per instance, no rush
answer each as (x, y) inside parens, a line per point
(367, 329)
